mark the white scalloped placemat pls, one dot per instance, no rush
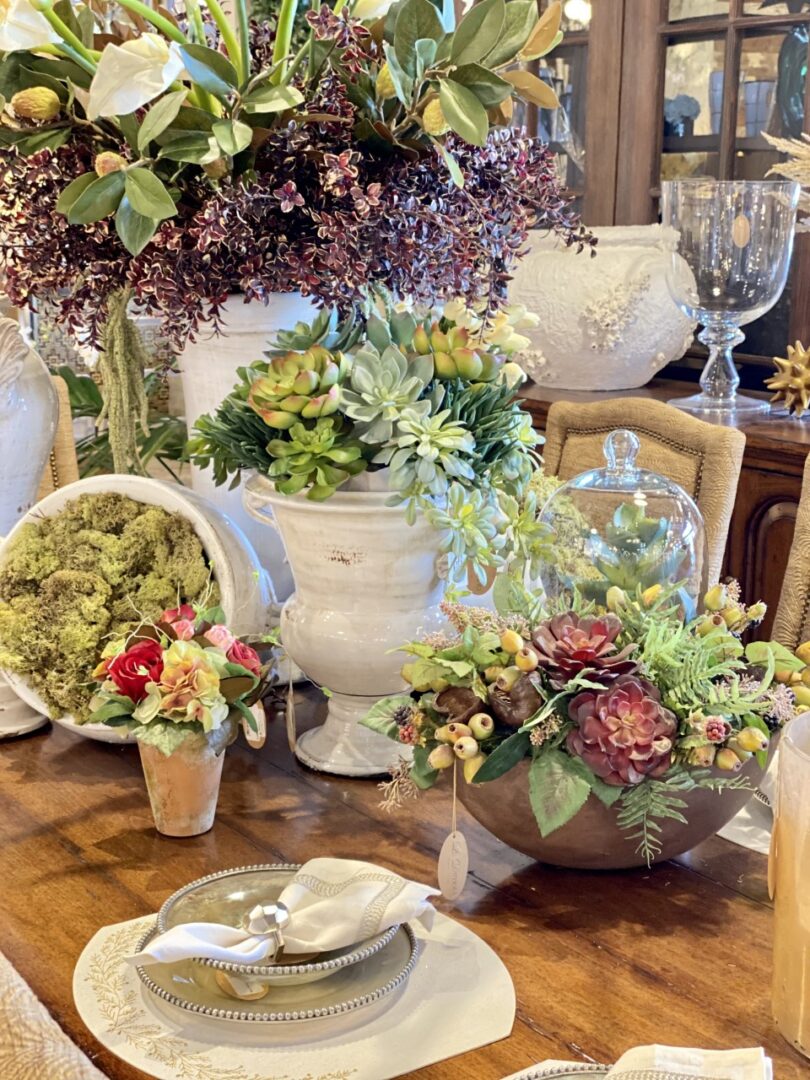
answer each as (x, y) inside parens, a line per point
(459, 997)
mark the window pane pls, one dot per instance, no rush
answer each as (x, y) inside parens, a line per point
(773, 72)
(564, 128)
(693, 94)
(774, 7)
(694, 9)
(681, 166)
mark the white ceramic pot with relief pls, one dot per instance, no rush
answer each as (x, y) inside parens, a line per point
(607, 322)
(365, 582)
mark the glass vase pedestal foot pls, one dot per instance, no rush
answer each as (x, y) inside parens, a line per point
(729, 411)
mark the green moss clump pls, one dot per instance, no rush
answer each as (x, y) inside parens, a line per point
(91, 572)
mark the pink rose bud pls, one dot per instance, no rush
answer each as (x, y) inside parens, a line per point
(171, 615)
(184, 629)
(239, 653)
(220, 636)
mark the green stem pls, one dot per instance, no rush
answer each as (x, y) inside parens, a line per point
(339, 6)
(195, 18)
(296, 61)
(75, 43)
(244, 39)
(157, 20)
(284, 33)
(226, 32)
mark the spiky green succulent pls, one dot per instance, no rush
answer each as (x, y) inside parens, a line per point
(473, 527)
(297, 385)
(427, 454)
(381, 388)
(319, 458)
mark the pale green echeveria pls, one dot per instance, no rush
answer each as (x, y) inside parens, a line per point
(320, 458)
(473, 525)
(298, 386)
(427, 454)
(381, 388)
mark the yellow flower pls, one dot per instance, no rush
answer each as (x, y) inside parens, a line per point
(189, 686)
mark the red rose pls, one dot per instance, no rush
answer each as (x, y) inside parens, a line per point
(133, 669)
(239, 653)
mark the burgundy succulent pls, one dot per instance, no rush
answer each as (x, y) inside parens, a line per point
(568, 643)
(623, 733)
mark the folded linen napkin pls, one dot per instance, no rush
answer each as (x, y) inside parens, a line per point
(674, 1063)
(332, 904)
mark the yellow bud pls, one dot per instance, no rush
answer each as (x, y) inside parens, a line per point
(709, 623)
(406, 672)
(801, 694)
(437, 685)
(740, 751)
(108, 162)
(36, 103)
(804, 675)
(492, 673)
(727, 760)
(526, 659)
(616, 598)
(507, 678)
(649, 596)
(511, 641)
(441, 757)
(733, 616)
(385, 84)
(472, 765)
(803, 652)
(421, 342)
(433, 119)
(716, 598)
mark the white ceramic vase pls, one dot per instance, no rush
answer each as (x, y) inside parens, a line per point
(365, 582)
(607, 322)
(208, 374)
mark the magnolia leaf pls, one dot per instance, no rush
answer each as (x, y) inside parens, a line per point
(403, 83)
(532, 89)
(489, 88)
(98, 200)
(209, 69)
(44, 140)
(481, 26)
(134, 230)
(504, 757)
(270, 99)
(197, 148)
(159, 117)
(189, 118)
(521, 17)
(148, 194)
(234, 687)
(416, 19)
(556, 791)
(74, 189)
(232, 135)
(464, 112)
(380, 717)
(425, 55)
(27, 79)
(545, 35)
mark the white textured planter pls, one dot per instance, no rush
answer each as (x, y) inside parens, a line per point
(365, 582)
(607, 322)
(208, 374)
(244, 587)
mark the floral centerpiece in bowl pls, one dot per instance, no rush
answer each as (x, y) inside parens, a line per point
(182, 686)
(391, 451)
(594, 736)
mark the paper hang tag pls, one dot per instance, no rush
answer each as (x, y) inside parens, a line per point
(454, 861)
(741, 231)
(256, 739)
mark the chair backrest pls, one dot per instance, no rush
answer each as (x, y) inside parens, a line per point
(705, 459)
(63, 466)
(791, 626)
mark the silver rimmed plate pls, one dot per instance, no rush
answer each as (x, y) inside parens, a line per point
(193, 987)
(563, 1072)
(227, 896)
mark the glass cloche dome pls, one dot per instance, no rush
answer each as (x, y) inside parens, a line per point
(625, 526)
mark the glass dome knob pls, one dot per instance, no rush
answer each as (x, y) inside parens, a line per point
(621, 448)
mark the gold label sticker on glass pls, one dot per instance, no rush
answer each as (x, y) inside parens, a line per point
(741, 230)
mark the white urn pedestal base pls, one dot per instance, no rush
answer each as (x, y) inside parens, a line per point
(341, 745)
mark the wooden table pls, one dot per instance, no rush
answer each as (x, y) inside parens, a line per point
(601, 962)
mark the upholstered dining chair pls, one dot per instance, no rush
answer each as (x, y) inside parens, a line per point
(705, 459)
(63, 466)
(791, 626)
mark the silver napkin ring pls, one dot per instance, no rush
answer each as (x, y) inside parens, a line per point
(268, 920)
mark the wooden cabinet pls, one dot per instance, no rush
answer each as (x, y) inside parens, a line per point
(762, 526)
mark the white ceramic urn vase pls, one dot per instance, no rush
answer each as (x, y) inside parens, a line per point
(365, 582)
(208, 374)
(607, 322)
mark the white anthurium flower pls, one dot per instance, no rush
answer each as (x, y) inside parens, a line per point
(512, 374)
(23, 27)
(370, 9)
(520, 317)
(133, 74)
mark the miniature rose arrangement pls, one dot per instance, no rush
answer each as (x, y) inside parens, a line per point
(186, 674)
(428, 394)
(630, 703)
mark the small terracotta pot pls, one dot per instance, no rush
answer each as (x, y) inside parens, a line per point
(183, 787)
(592, 840)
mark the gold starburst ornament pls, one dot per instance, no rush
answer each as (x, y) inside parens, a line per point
(791, 383)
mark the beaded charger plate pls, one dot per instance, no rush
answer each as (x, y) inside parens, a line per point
(456, 975)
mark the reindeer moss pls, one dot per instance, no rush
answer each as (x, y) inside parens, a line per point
(93, 571)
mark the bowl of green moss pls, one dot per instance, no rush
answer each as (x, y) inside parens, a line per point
(95, 559)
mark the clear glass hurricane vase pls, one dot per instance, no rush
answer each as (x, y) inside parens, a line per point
(731, 243)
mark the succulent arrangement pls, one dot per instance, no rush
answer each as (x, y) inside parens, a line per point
(184, 674)
(428, 394)
(170, 162)
(791, 381)
(95, 569)
(629, 703)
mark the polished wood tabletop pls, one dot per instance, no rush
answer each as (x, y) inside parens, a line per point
(680, 954)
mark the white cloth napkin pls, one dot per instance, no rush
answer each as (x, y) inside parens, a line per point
(675, 1063)
(333, 903)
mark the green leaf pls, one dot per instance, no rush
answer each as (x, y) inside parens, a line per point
(134, 230)
(416, 19)
(545, 35)
(197, 149)
(453, 167)
(606, 793)
(556, 790)
(534, 90)
(270, 99)
(232, 135)
(760, 652)
(477, 30)
(425, 49)
(210, 70)
(28, 79)
(489, 88)
(421, 773)
(504, 757)
(44, 140)
(159, 117)
(380, 717)
(464, 112)
(148, 195)
(521, 15)
(98, 200)
(403, 83)
(189, 118)
(129, 128)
